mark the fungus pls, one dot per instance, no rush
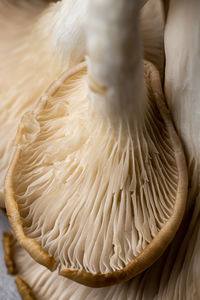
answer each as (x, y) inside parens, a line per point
(74, 14)
(152, 33)
(24, 57)
(182, 74)
(182, 89)
(183, 96)
(98, 183)
(164, 280)
(31, 34)
(105, 213)
(28, 47)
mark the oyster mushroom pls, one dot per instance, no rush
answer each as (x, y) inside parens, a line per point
(182, 74)
(182, 89)
(183, 96)
(152, 29)
(31, 33)
(34, 281)
(28, 46)
(24, 57)
(98, 182)
(152, 33)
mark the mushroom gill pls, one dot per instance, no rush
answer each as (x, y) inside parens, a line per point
(166, 279)
(101, 200)
(182, 74)
(38, 41)
(27, 66)
(30, 60)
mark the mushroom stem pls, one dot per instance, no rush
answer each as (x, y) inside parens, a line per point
(116, 82)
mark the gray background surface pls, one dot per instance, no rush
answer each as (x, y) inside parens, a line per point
(8, 289)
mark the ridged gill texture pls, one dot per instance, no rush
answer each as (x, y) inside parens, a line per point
(34, 35)
(94, 196)
(169, 278)
(28, 64)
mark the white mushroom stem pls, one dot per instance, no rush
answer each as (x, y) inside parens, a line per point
(116, 83)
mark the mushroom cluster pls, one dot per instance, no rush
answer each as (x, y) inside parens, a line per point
(94, 176)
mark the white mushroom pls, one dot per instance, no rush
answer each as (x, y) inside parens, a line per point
(29, 60)
(182, 47)
(31, 34)
(27, 66)
(182, 36)
(98, 183)
(152, 31)
(159, 282)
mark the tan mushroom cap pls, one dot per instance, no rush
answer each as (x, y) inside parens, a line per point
(170, 277)
(98, 202)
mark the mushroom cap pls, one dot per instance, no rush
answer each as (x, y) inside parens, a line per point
(99, 202)
(152, 31)
(182, 76)
(169, 278)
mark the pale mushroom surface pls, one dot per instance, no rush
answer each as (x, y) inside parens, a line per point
(27, 66)
(162, 281)
(152, 31)
(182, 89)
(91, 197)
(104, 213)
(38, 40)
(30, 60)
(74, 14)
(182, 47)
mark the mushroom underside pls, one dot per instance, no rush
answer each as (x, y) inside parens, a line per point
(28, 64)
(31, 45)
(103, 201)
(173, 276)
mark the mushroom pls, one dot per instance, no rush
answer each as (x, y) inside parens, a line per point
(34, 281)
(31, 33)
(27, 66)
(152, 32)
(183, 96)
(182, 75)
(152, 29)
(182, 89)
(29, 47)
(98, 182)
